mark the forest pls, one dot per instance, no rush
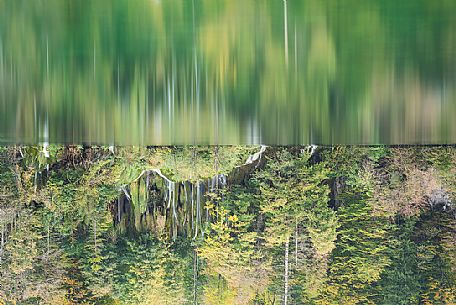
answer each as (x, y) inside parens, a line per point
(228, 225)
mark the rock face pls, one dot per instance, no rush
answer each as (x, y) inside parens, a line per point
(240, 173)
(175, 208)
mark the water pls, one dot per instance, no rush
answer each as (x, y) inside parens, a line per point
(151, 72)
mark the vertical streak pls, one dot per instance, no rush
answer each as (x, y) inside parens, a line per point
(1, 59)
(296, 52)
(196, 73)
(47, 56)
(285, 14)
(119, 106)
(94, 59)
(35, 119)
(168, 93)
(118, 82)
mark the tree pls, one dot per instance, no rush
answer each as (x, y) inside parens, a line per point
(293, 195)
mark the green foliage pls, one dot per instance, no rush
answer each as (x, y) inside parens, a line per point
(233, 261)
(32, 267)
(360, 256)
(400, 283)
(67, 245)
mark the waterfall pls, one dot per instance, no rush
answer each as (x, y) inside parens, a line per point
(169, 185)
(256, 156)
(174, 217)
(191, 212)
(198, 199)
(45, 149)
(126, 193)
(312, 148)
(185, 205)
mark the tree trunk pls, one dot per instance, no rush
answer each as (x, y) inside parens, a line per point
(95, 234)
(296, 245)
(3, 237)
(35, 183)
(2, 243)
(118, 210)
(195, 276)
(192, 208)
(285, 273)
(48, 238)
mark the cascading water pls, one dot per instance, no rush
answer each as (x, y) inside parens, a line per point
(180, 203)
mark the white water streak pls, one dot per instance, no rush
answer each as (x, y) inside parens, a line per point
(256, 156)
